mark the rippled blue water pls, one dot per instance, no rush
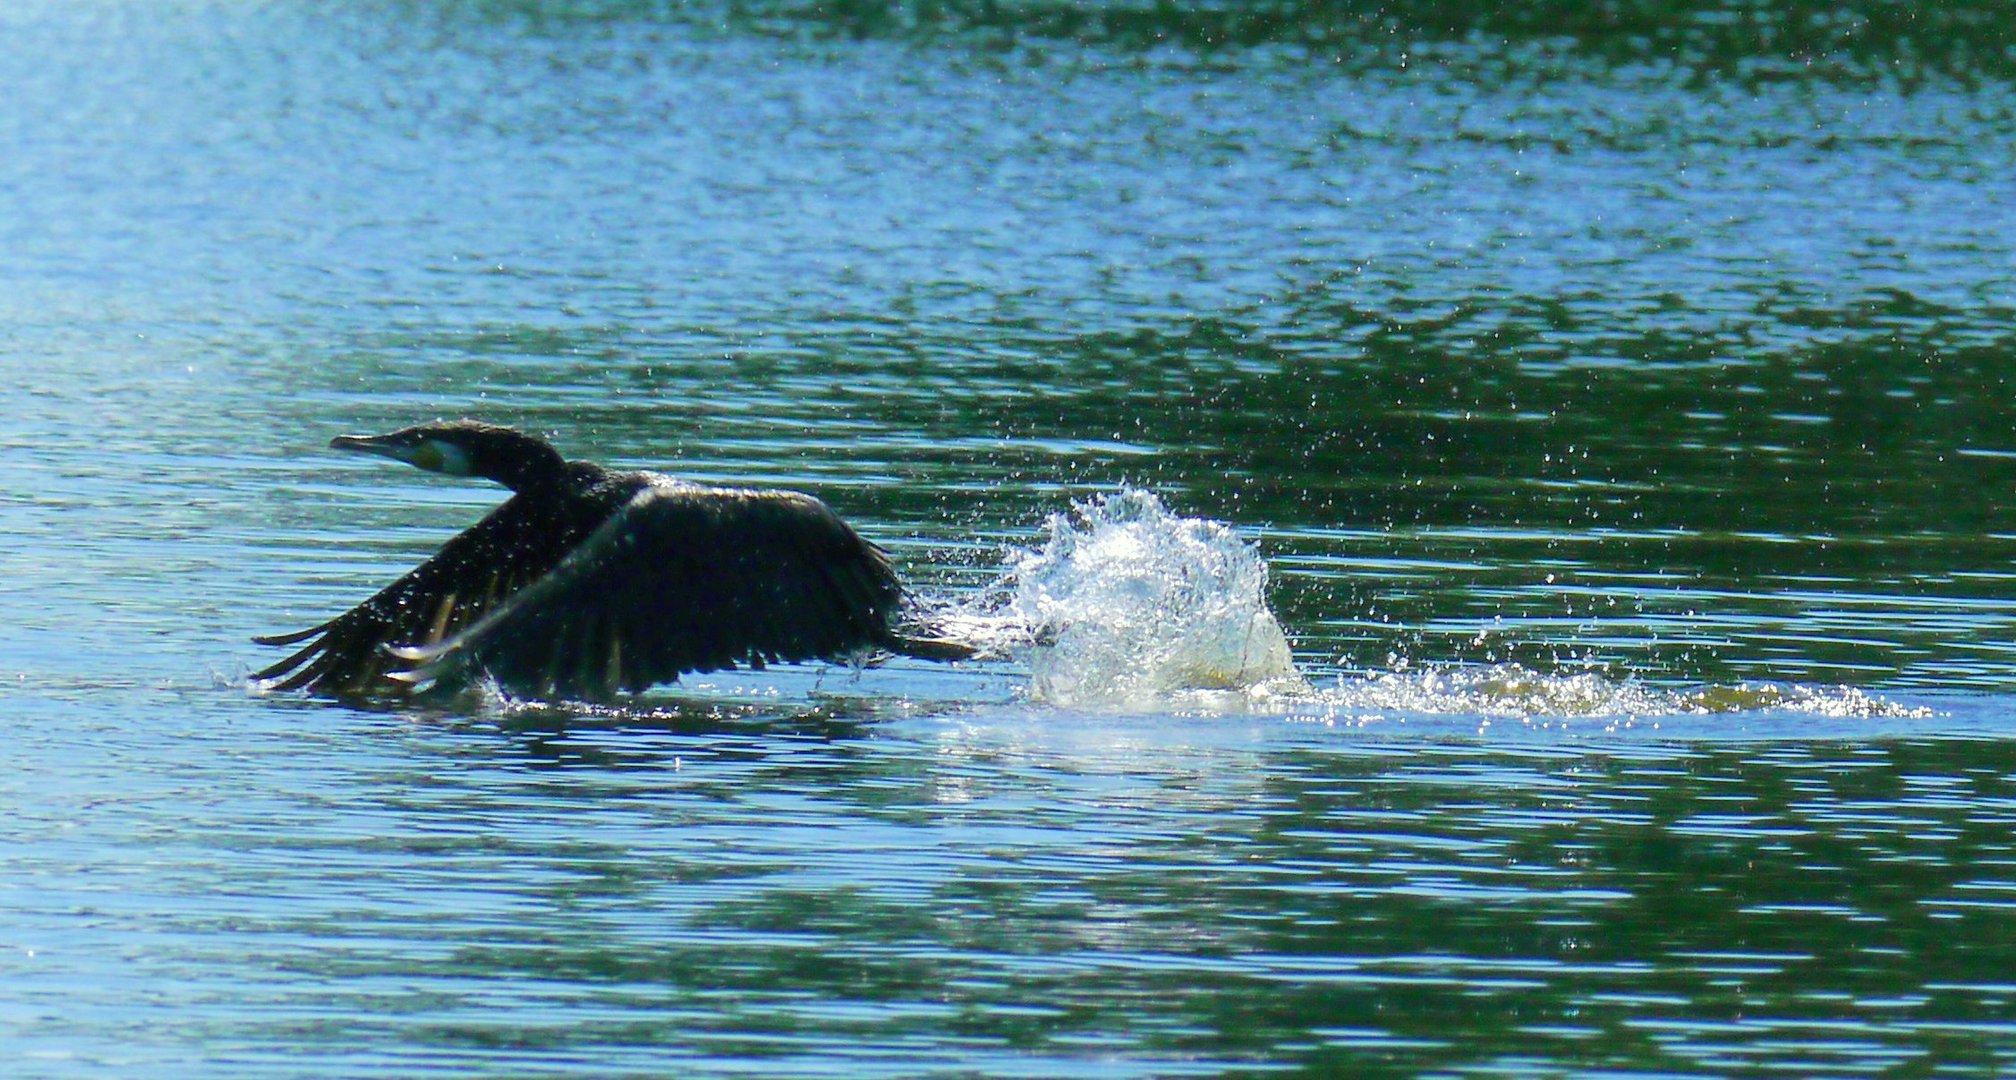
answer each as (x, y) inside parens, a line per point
(1622, 413)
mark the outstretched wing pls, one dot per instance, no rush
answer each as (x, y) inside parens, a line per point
(682, 579)
(475, 571)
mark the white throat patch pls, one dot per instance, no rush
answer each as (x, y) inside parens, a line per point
(444, 457)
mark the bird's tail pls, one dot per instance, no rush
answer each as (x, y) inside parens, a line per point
(927, 648)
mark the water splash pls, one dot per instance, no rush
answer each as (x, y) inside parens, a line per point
(1129, 606)
(1126, 603)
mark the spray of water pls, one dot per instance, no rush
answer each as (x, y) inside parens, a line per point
(1512, 691)
(1126, 605)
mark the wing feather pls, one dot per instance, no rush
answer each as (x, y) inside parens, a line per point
(473, 573)
(683, 579)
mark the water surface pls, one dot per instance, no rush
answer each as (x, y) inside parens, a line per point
(1620, 409)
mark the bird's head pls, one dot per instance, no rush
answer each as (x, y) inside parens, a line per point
(465, 448)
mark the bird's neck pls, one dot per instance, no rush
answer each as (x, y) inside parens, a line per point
(535, 470)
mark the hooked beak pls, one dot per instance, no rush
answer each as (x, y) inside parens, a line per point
(383, 445)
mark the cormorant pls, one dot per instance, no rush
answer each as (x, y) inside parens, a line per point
(588, 581)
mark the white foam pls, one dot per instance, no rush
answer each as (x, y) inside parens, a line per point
(1126, 603)
(1513, 691)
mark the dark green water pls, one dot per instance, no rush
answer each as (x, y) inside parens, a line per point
(1619, 395)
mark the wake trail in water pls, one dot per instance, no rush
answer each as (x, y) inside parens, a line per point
(1127, 606)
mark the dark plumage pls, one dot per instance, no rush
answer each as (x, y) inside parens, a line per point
(588, 581)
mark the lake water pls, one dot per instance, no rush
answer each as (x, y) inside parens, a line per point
(1620, 401)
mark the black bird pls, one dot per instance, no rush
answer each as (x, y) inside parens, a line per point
(589, 581)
